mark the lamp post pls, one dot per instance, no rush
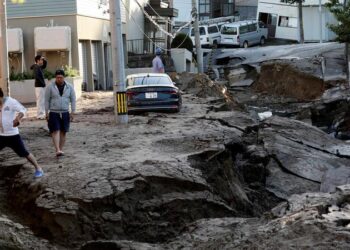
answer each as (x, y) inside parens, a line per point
(4, 70)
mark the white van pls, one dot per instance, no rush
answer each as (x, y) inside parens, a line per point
(209, 35)
(243, 33)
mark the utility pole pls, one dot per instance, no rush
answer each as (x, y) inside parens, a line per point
(119, 89)
(197, 37)
(347, 52)
(320, 18)
(4, 71)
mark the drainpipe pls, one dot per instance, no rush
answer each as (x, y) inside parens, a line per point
(4, 69)
(320, 18)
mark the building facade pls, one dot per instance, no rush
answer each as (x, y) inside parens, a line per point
(246, 9)
(208, 9)
(282, 20)
(89, 25)
(88, 36)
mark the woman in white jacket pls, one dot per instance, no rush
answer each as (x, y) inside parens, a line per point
(11, 114)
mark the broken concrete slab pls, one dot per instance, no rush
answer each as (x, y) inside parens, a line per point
(242, 83)
(335, 177)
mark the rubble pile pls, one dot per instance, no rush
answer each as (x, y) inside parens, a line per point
(202, 86)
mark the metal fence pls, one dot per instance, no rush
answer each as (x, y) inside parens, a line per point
(141, 46)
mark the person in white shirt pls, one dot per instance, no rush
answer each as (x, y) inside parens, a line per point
(157, 63)
(11, 114)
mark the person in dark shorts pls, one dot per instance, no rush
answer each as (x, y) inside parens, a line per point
(11, 114)
(38, 67)
(59, 96)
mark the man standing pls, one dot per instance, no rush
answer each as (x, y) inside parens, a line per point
(37, 67)
(11, 114)
(59, 95)
(157, 64)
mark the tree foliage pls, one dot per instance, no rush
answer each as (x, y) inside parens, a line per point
(182, 41)
(342, 14)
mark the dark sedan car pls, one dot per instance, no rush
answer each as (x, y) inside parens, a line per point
(152, 92)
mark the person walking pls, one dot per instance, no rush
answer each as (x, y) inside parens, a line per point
(157, 63)
(59, 95)
(37, 67)
(11, 114)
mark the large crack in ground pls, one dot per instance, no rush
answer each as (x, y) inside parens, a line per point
(152, 209)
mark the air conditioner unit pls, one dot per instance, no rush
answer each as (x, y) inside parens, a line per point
(15, 40)
(56, 38)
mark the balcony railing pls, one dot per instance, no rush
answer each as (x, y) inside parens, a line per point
(141, 46)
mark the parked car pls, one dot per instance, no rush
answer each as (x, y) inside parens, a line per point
(243, 34)
(152, 92)
(209, 35)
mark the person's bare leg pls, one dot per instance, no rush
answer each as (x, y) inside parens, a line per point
(33, 161)
(56, 140)
(62, 139)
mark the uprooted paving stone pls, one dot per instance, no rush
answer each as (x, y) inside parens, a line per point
(303, 151)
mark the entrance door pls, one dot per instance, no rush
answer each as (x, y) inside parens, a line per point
(83, 63)
(108, 68)
(271, 22)
(95, 65)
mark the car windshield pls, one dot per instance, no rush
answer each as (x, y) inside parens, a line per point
(148, 80)
(227, 30)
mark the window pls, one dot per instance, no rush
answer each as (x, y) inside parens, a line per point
(213, 29)
(204, 6)
(145, 80)
(229, 30)
(243, 29)
(227, 9)
(285, 21)
(201, 31)
(252, 27)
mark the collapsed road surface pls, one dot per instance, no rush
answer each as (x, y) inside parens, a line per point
(209, 177)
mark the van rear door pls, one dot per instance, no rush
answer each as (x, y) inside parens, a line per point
(229, 35)
(203, 36)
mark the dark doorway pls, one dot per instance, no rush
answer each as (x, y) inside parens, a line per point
(271, 22)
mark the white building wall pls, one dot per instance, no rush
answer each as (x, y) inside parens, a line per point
(310, 18)
(184, 7)
(92, 8)
(135, 20)
(97, 9)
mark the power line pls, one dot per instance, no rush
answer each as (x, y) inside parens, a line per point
(154, 22)
(166, 21)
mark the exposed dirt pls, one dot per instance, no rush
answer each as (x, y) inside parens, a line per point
(283, 79)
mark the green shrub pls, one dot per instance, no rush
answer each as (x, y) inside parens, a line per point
(48, 74)
(182, 41)
(70, 72)
(20, 76)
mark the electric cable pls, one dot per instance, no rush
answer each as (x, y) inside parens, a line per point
(150, 39)
(154, 22)
(158, 14)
